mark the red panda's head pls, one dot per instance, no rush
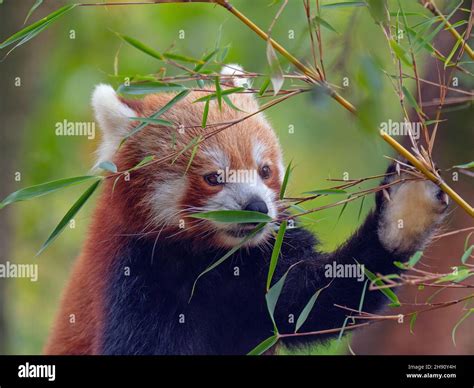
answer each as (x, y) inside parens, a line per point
(239, 168)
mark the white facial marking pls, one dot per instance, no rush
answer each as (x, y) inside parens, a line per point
(217, 156)
(167, 194)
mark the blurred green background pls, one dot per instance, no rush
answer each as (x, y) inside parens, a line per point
(61, 74)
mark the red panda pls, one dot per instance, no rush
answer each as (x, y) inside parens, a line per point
(129, 290)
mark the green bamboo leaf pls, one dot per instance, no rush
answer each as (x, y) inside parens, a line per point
(69, 215)
(451, 54)
(343, 209)
(233, 216)
(205, 113)
(205, 60)
(360, 208)
(461, 273)
(285, 181)
(412, 323)
(273, 294)
(263, 346)
(217, 83)
(415, 258)
(229, 102)
(149, 87)
(345, 4)
(157, 114)
(467, 254)
(193, 154)
(43, 189)
(194, 141)
(264, 87)
(465, 165)
(108, 166)
(141, 46)
(411, 100)
(257, 229)
(143, 162)
(33, 9)
(463, 318)
(213, 96)
(182, 58)
(34, 29)
(386, 291)
(307, 309)
(318, 20)
(276, 252)
(276, 73)
(378, 10)
(401, 53)
(326, 192)
(149, 120)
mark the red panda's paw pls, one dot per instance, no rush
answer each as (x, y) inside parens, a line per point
(409, 212)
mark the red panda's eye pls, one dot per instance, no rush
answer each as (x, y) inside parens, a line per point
(213, 179)
(265, 172)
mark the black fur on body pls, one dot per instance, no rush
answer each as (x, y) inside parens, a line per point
(228, 314)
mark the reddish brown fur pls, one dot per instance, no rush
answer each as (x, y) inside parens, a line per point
(125, 212)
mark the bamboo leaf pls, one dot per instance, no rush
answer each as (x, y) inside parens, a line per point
(321, 22)
(465, 165)
(415, 259)
(229, 102)
(141, 46)
(33, 9)
(149, 87)
(263, 346)
(276, 252)
(264, 87)
(467, 254)
(69, 215)
(233, 216)
(157, 114)
(205, 113)
(401, 53)
(276, 74)
(273, 294)
(218, 92)
(345, 4)
(257, 229)
(360, 208)
(307, 309)
(43, 189)
(326, 192)
(463, 318)
(108, 166)
(285, 181)
(149, 120)
(411, 100)
(412, 323)
(386, 291)
(213, 96)
(34, 29)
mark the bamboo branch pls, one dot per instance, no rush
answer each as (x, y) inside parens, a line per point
(315, 78)
(431, 6)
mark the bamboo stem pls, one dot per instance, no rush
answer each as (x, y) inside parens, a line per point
(347, 105)
(431, 6)
(448, 190)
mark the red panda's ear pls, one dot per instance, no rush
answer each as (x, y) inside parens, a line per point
(113, 117)
(237, 74)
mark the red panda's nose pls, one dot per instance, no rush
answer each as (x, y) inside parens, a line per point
(257, 205)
